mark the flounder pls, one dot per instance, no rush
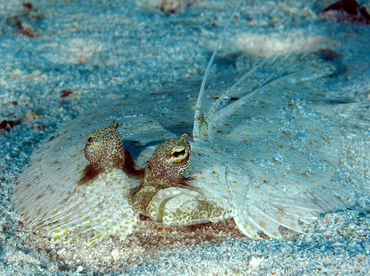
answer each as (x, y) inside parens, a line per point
(266, 152)
(269, 151)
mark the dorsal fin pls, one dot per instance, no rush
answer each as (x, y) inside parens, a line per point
(282, 71)
(199, 113)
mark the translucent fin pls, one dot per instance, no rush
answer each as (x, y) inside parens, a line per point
(355, 157)
(198, 116)
(246, 226)
(288, 208)
(268, 216)
(264, 221)
(276, 71)
(326, 199)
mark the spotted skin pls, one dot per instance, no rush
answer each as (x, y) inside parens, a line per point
(166, 167)
(104, 147)
(168, 163)
(95, 196)
(166, 195)
(269, 162)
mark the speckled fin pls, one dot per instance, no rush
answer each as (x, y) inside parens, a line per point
(277, 71)
(116, 223)
(268, 216)
(101, 205)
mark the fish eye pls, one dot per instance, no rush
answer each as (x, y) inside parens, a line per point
(90, 139)
(178, 153)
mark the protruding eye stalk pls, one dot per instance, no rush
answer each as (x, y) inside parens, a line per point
(169, 161)
(104, 147)
(166, 169)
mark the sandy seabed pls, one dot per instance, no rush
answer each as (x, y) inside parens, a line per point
(61, 58)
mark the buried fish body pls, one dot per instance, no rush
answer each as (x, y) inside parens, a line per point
(269, 152)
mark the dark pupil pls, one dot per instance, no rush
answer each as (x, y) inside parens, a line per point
(89, 139)
(178, 153)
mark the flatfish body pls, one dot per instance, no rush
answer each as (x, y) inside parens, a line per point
(268, 152)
